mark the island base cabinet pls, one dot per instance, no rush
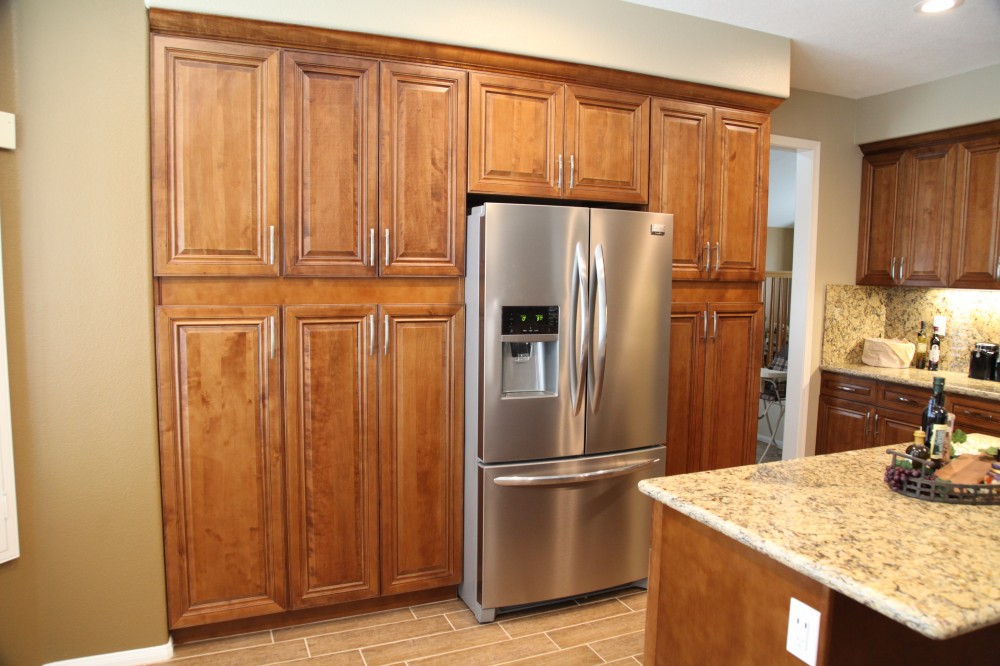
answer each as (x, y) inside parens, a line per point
(713, 600)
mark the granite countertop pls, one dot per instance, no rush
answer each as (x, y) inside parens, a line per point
(933, 567)
(954, 382)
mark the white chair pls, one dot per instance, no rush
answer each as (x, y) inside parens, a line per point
(772, 394)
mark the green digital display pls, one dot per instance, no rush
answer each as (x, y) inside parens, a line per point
(530, 319)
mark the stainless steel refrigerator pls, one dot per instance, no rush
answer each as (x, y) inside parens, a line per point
(567, 342)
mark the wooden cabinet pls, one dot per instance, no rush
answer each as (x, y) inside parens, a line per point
(906, 211)
(420, 443)
(331, 425)
(709, 168)
(214, 148)
(538, 138)
(857, 413)
(712, 420)
(930, 210)
(975, 259)
(330, 164)
(221, 465)
(974, 414)
(422, 169)
(372, 451)
(373, 159)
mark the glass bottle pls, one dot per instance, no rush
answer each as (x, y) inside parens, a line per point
(933, 415)
(921, 355)
(934, 353)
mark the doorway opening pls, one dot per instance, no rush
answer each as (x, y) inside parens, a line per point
(793, 206)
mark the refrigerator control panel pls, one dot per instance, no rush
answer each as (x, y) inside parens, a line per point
(530, 320)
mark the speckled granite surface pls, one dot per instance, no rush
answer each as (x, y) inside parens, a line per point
(855, 312)
(831, 518)
(954, 382)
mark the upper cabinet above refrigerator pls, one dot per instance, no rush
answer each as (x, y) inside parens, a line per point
(709, 168)
(538, 138)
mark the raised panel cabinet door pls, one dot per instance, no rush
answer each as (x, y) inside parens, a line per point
(331, 428)
(680, 174)
(843, 425)
(893, 427)
(221, 462)
(422, 169)
(516, 135)
(732, 384)
(214, 151)
(420, 446)
(688, 333)
(975, 255)
(330, 163)
(741, 156)
(927, 214)
(607, 145)
(879, 239)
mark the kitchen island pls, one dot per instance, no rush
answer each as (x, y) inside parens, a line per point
(895, 579)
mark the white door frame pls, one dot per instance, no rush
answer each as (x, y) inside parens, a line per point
(800, 361)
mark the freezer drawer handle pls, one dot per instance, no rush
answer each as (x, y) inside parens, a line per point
(583, 477)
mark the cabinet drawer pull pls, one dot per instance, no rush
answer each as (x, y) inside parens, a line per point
(977, 415)
(905, 399)
(876, 426)
(868, 418)
(849, 389)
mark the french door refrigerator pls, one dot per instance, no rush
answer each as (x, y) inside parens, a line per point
(567, 342)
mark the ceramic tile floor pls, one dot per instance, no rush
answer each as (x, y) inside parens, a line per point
(604, 629)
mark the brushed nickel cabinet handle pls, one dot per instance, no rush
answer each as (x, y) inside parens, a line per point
(385, 349)
(572, 170)
(371, 246)
(371, 335)
(876, 425)
(717, 253)
(704, 330)
(272, 245)
(978, 415)
(996, 275)
(849, 389)
(902, 270)
(868, 418)
(708, 257)
(560, 170)
(715, 324)
(386, 247)
(892, 270)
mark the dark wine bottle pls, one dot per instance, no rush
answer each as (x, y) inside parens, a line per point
(934, 353)
(934, 414)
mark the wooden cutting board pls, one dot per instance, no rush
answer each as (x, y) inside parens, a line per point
(966, 468)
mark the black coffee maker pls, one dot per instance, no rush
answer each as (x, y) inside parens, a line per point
(983, 361)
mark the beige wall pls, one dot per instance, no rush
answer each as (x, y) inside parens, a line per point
(829, 120)
(76, 259)
(969, 98)
(779, 248)
(610, 33)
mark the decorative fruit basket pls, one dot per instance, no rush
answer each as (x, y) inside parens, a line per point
(919, 479)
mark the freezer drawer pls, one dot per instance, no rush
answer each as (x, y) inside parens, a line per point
(557, 529)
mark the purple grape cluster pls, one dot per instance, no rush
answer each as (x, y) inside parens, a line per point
(895, 477)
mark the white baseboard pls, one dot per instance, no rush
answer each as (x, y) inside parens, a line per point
(149, 655)
(761, 439)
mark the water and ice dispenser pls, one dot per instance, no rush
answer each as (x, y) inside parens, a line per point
(530, 339)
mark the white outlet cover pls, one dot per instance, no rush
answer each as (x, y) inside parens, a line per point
(8, 135)
(940, 322)
(803, 631)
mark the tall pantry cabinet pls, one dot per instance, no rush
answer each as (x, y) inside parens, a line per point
(709, 168)
(309, 427)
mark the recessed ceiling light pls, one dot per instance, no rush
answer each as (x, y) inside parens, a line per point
(937, 6)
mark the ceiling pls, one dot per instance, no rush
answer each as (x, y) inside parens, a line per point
(859, 48)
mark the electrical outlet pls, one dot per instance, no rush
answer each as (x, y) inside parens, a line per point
(803, 631)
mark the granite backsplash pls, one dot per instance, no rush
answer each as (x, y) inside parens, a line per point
(854, 313)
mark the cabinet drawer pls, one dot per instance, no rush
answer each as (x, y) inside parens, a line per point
(910, 399)
(848, 386)
(974, 414)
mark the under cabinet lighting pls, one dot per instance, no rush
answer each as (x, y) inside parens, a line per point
(937, 6)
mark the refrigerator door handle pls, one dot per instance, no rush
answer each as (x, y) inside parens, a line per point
(584, 477)
(580, 295)
(601, 323)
